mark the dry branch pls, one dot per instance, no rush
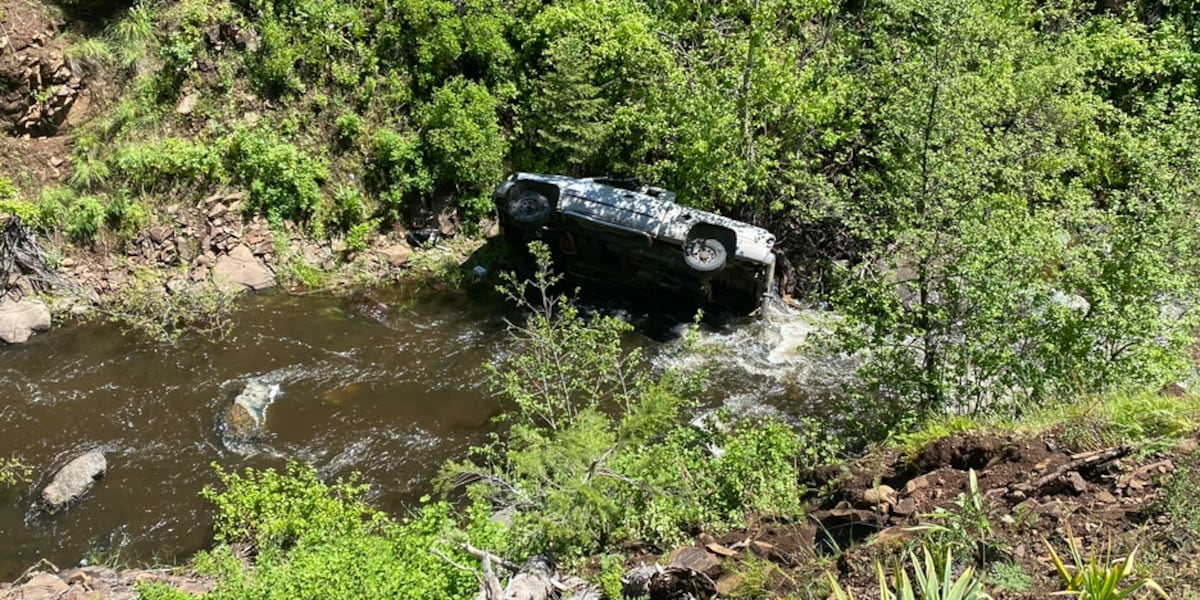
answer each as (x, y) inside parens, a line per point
(1080, 461)
(20, 254)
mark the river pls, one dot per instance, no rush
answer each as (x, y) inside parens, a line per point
(390, 399)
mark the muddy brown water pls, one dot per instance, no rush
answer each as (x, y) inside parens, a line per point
(390, 399)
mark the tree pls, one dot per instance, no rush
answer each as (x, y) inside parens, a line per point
(997, 274)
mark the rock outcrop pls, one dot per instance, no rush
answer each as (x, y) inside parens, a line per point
(20, 319)
(41, 89)
(73, 480)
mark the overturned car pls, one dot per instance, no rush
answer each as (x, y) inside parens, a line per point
(618, 231)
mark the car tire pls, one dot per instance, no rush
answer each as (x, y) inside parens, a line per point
(705, 255)
(529, 209)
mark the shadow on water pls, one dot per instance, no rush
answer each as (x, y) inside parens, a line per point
(390, 395)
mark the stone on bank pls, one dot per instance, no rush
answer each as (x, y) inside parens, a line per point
(20, 319)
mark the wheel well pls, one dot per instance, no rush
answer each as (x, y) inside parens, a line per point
(545, 189)
(722, 234)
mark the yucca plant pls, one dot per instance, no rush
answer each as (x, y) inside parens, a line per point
(928, 582)
(1093, 579)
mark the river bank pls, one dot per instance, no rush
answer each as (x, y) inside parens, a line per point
(987, 496)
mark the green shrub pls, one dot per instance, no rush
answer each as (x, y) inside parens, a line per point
(7, 190)
(52, 206)
(166, 162)
(125, 216)
(397, 171)
(276, 510)
(12, 204)
(274, 68)
(359, 236)
(600, 452)
(84, 218)
(24, 209)
(147, 306)
(284, 181)
(346, 209)
(464, 146)
(316, 540)
(349, 126)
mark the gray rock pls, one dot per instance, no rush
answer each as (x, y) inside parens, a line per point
(73, 480)
(240, 270)
(40, 585)
(20, 319)
(188, 103)
(397, 255)
(247, 415)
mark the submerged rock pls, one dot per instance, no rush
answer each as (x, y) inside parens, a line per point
(73, 480)
(247, 415)
(368, 306)
(19, 319)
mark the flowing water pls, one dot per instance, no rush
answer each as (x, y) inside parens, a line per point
(391, 399)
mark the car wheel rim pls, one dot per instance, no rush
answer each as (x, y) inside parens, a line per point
(702, 252)
(524, 208)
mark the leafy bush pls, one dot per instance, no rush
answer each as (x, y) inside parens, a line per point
(52, 206)
(125, 216)
(349, 126)
(397, 170)
(346, 209)
(162, 313)
(24, 209)
(359, 236)
(84, 218)
(464, 146)
(275, 510)
(12, 204)
(166, 162)
(600, 452)
(284, 181)
(316, 540)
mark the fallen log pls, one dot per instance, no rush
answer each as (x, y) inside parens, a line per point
(1079, 461)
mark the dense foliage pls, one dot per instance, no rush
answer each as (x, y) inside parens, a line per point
(997, 194)
(309, 539)
(599, 453)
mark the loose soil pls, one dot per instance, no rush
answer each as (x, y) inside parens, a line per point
(876, 507)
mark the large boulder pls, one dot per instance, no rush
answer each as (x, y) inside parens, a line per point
(247, 415)
(19, 319)
(240, 270)
(75, 479)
